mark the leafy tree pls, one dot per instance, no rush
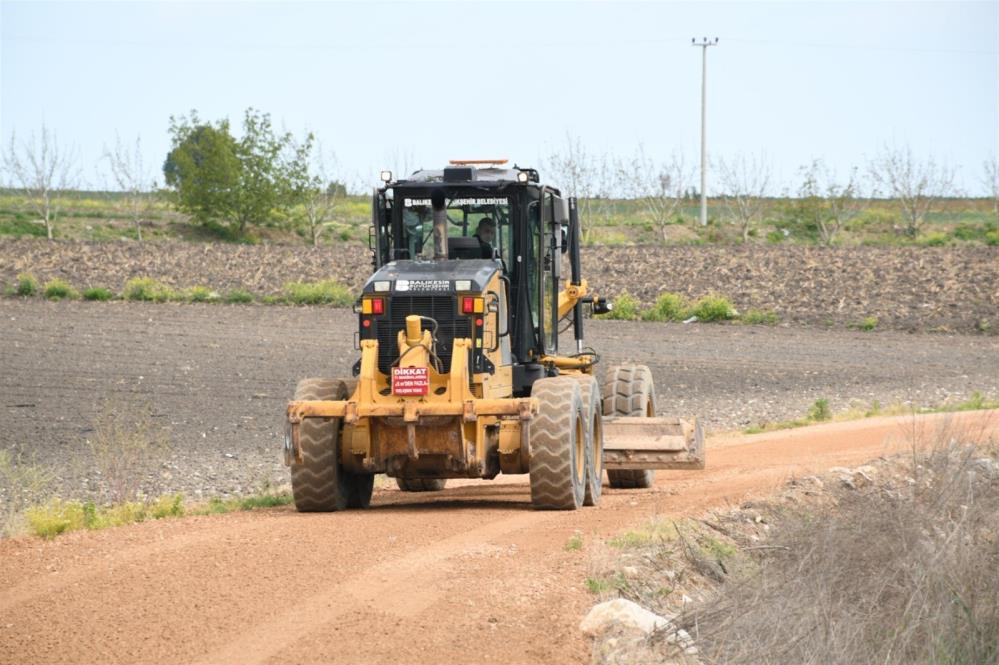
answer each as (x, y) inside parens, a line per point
(239, 182)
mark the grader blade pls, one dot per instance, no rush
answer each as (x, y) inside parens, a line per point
(652, 443)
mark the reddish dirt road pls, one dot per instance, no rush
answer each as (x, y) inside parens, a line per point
(467, 575)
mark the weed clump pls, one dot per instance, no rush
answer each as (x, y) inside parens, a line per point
(668, 307)
(200, 294)
(713, 308)
(326, 292)
(57, 289)
(239, 296)
(98, 293)
(26, 285)
(147, 289)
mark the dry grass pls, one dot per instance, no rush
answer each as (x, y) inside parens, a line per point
(902, 573)
(21, 482)
(128, 447)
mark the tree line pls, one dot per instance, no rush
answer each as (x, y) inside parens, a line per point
(822, 203)
(238, 183)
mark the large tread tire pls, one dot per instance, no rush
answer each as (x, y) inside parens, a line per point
(593, 413)
(558, 440)
(421, 484)
(319, 483)
(628, 390)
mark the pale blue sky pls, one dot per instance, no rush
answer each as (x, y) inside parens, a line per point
(435, 81)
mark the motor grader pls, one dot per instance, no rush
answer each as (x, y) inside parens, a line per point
(460, 374)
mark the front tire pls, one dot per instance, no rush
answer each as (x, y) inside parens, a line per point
(320, 483)
(559, 451)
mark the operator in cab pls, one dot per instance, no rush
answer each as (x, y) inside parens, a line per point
(486, 233)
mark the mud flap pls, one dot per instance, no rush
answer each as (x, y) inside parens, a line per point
(653, 443)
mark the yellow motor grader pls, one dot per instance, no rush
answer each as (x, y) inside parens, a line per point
(460, 373)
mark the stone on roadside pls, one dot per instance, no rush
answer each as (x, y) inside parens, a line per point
(621, 613)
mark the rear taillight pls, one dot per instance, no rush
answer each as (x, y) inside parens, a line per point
(471, 305)
(373, 306)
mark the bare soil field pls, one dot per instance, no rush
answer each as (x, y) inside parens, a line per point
(217, 378)
(944, 289)
(468, 575)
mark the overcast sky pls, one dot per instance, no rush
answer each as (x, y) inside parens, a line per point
(390, 85)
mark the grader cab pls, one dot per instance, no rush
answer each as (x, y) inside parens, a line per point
(460, 373)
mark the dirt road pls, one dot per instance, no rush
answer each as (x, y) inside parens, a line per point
(218, 377)
(467, 575)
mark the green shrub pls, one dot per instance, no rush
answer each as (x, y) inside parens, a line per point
(820, 411)
(271, 299)
(167, 506)
(27, 285)
(326, 292)
(935, 239)
(868, 324)
(668, 307)
(625, 308)
(55, 517)
(992, 238)
(713, 308)
(760, 317)
(200, 294)
(97, 293)
(775, 237)
(57, 289)
(147, 289)
(239, 296)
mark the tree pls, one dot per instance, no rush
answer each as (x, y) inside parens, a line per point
(991, 182)
(658, 186)
(321, 193)
(240, 182)
(823, 204)
(917, 186)
(41, 168)
(132, 178)
(572, 169)
(745, 182)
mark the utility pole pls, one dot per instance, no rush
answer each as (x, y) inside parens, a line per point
(704, 44)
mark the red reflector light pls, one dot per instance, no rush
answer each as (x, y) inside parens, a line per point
(377, 306)
(366, 323)
(478, 322)
(468, 305)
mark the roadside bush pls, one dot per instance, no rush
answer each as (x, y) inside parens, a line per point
(147, 289)
(128, 447)
(992, 238)
(57, 289)
(668, 307)
(239, 296)
(326, 292)
(820, 411)
(935, 239)
(760, 317)
(713, 308)
(97, 293)
(26, 285)
(625, 308)
(22, 483)
(867, 324)
(200, 294)
(55, 517)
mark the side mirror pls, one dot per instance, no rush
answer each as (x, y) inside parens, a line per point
(602, 306)
(565, 238)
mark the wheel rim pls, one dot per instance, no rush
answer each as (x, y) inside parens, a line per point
(597, 429)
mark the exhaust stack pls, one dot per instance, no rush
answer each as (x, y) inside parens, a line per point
(440, 224)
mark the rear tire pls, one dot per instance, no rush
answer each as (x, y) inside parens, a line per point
(559, 454)
(421, 484)
(592, 412)
(319, 483)
(628, 390)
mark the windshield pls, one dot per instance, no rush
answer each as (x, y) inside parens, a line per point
(486, 218)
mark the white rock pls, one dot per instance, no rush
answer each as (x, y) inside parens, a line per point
(630, 571)
(621, 613)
